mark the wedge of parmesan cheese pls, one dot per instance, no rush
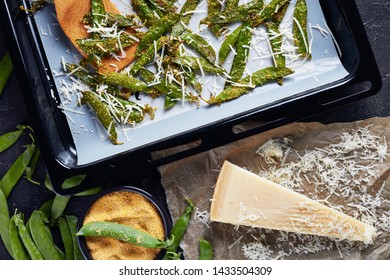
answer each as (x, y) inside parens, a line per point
(244, 198)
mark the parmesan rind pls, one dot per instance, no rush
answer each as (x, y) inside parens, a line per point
(244, 198)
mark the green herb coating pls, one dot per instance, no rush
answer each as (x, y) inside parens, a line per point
(300, 29)
(199, 44)
(193, 63)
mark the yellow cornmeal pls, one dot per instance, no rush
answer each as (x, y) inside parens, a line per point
(128, 208)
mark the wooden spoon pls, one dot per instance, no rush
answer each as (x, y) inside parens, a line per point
(70, 14)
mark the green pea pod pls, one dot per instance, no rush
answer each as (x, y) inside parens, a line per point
(124, 233)
(58, 207)
(148, 55)
(72, 224)
(227, 45)
(19, 252)
(102, 114)
(30, 169)
(46, 208)
(179, 228)
(144, 12)
(164, 6)
(121, 20)
(42, 237)
(157, 30)
(90, 191)
(199, 44)
(214, 9)
(205, 250)
(268, 11)
(27, 240)
(198, 63)
(279, 15)
(6, 68)
(98, 12)
(4, 221)
(300, 29)
(125, 81)
(17, 170)
(188, 6)
(66, 237)
(242, 52)
(106, 46)
(276, 47)
(258, 78)
(8, 139)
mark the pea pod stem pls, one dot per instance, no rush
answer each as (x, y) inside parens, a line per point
(257, 78)
(124, 233)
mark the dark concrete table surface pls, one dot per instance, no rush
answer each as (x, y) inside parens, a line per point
(27, 196)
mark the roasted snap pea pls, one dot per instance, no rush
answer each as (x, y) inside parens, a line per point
(195, 63)
(126, 81)
(276, 46)
(268, 11)
(157, 30)
(178, 230)
(188, 6)
(19, 252)
(144, 12)
(27, 240)
(148, 55)
(72, 224)
(164, 6)
(66, 237)
(214, 9)
(258, 78)
(300, 29)
(98, 12)
(4, 221)
(227, 45)
(8, 139)
(199, 44)
(103, 115)
(106, 46)
(205, 250)
(6, 68)
(124, 233)
(242, 52)
(17, 170)
(40, 233)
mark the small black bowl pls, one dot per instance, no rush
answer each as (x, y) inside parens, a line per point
(165, 217)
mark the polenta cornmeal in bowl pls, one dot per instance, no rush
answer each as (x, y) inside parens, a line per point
(125, 206)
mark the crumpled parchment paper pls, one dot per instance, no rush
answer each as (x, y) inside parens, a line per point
(194, 177)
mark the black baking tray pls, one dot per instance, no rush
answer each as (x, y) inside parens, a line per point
(56, 142)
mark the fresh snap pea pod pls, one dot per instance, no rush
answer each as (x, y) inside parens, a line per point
(148, 55)
(199, 44)
(42, 237)
(242, 52)
(4, 221)
(157, 30)
(58, 207)
(268, 11)
(45, 208)
(144, 12)
(72, 224)
(105, 46)
(240, 13)
(227, 45)
(258, 78)
(125, 81)
(102, 114)
(17, 170)
(27, 240)
(30, 169)
(195, 63)
(66, 237)
(179, 228)
(19, 252)
(134, 113)
(205, 250)
(9, 138)
(6, 68)
(300, 29)
(124, 233)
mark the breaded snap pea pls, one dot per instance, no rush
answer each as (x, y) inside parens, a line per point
(198, 63)
(19, 252)
(188, 6)
(242, 52)
(124, 233)
(300, 29)
(102, 113)
(98, 12)
(199, 44)
(144, 12)
(213, 9)
(157, 30)
(258, 78)
(40, 233)
(27, 240)
(268, 11)
(227, 45)
(125, 81)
